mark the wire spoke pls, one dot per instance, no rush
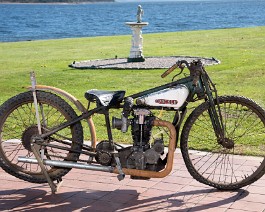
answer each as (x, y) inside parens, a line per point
(240, 156)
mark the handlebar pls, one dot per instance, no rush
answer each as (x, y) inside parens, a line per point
(167, 72)
(178, 64)
(195, 68)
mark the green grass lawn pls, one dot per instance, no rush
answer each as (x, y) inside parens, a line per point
(241, 72)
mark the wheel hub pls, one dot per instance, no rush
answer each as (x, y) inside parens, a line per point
(28, 135)
(227, 143)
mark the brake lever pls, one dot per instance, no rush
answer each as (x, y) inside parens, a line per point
(181, 70)
(179, 64)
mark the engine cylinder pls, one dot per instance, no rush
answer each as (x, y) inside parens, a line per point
(141, 133)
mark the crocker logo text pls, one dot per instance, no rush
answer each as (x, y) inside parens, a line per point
(166, 101)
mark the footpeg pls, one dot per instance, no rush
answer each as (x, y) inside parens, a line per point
(121, 175)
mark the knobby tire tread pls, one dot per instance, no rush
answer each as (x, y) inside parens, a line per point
(59, 103)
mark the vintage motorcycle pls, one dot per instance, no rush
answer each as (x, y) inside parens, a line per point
(222, 140)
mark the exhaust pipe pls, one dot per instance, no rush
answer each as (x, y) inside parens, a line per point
(171, 150)
(67, 164)
(132, 172)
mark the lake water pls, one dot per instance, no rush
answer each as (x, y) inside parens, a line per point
(20, 22)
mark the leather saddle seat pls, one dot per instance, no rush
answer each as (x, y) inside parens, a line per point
(105, 98)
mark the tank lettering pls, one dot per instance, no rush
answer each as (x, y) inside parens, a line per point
(166, 102)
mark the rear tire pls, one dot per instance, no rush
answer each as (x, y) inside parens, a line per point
(18, 124)
(238, 163)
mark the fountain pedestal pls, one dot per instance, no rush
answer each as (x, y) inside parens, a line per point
(136, 52)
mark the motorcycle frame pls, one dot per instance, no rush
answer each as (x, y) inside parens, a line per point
(87, 114)
(203, 88)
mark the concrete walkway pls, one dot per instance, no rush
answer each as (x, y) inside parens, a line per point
(84, 190)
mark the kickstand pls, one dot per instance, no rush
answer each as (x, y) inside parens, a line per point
(54, 186)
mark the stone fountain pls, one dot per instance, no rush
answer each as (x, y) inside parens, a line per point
(136, 52)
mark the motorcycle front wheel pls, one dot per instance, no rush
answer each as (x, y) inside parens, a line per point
(18, 125)
(240, 159)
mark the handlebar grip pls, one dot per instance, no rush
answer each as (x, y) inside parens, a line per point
(167, 72)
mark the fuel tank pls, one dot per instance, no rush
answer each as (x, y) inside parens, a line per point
(173, 97)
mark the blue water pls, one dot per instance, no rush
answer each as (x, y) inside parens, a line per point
(20, 22)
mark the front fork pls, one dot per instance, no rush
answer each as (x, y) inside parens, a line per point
(217, 121)
(214, 109)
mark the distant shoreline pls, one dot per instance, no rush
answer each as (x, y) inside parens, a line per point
(58, 2)
(32, 21)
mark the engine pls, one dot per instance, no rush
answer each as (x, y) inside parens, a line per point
(142, 155)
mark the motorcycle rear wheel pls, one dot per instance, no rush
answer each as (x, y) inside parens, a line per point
(235, 163)
(18, 124)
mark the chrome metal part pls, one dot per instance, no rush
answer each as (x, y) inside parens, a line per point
(67, 164)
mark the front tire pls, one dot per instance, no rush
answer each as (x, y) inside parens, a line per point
(232, 166)
(18, 125)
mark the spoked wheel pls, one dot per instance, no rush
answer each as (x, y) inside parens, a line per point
(18, 126)
(235, 161)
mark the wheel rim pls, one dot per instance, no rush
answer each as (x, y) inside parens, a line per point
(239, 157)
(18, 129)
